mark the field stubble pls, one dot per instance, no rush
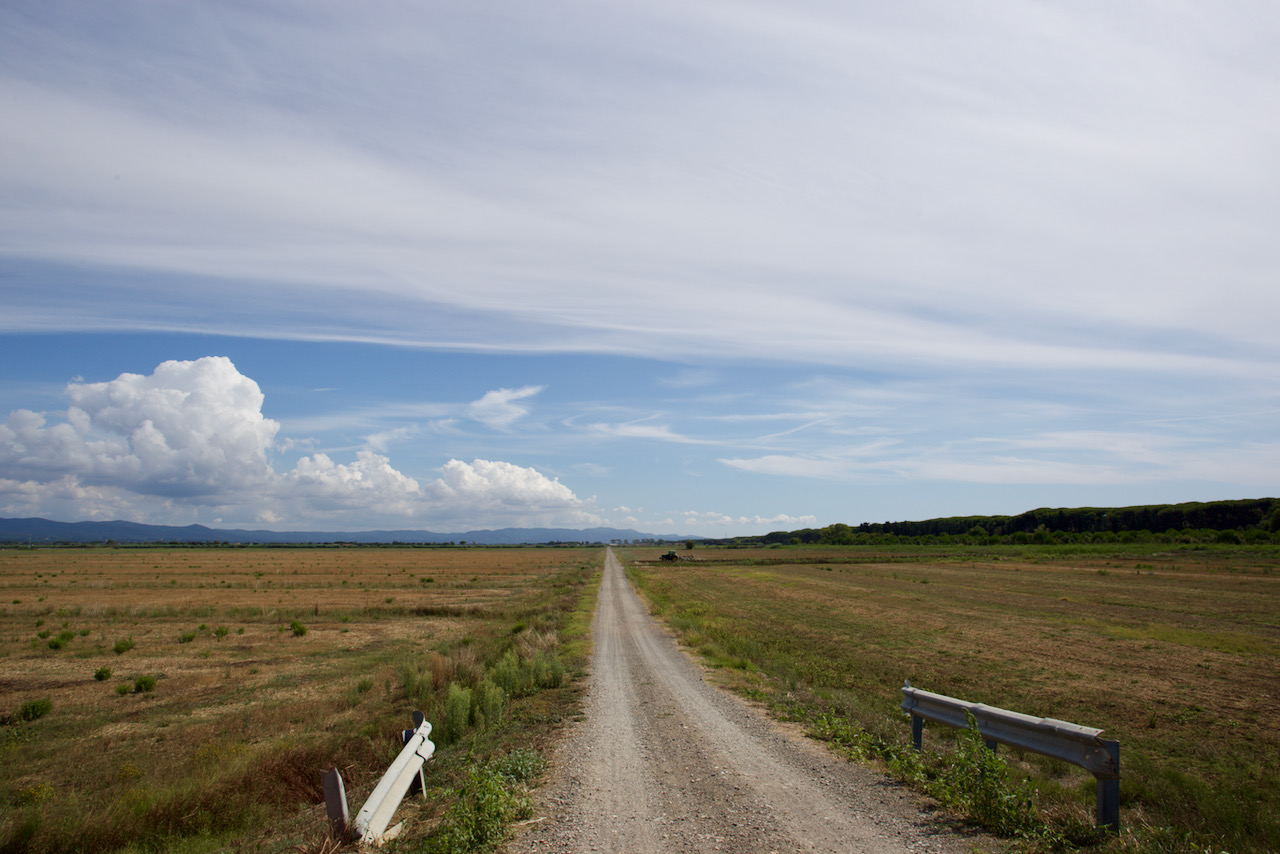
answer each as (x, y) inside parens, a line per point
(268, 665)
(1177, 656)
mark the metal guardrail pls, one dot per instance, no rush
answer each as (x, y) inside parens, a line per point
(372, 820)
(1079, 745)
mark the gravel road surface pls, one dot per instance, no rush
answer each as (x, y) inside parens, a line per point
(663, 762)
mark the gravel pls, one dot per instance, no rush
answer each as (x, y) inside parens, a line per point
(664, 762)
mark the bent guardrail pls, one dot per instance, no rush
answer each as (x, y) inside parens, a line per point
(372, 820)
(1079, 745)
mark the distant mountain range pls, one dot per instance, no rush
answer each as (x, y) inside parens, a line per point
(47, 531)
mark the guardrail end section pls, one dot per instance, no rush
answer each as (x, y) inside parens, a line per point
(335, 804)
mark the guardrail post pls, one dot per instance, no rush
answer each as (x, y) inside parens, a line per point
(419, 783)
(335, 804)
(1109, 792)
(917, 732)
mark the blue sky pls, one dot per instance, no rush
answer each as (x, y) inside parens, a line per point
(714, 268)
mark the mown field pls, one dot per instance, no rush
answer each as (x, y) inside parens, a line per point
(1176, 655)
(188, 699)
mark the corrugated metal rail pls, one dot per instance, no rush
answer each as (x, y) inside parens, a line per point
(1079, 745)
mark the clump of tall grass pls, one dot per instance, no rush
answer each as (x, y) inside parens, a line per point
(519, 676)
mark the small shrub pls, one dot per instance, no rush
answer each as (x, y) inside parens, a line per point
(489, 700)
(364, 685)
(457, 712)
(124, 688)
(44, 634)
(143, 684)
(123, 645)
(102, 674)
(297, 628)
(33, 710)
(221, 632)
(186, 637)
(976, 781)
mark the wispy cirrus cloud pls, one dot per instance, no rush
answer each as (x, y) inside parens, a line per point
(500, 408)
(986, 246)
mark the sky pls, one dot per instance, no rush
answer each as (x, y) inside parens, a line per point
(712, 268)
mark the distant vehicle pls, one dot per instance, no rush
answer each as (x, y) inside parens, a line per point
(671, 556)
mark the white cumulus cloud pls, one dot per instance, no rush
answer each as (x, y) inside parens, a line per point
(487, 490)
(189, 429)
(189, 442)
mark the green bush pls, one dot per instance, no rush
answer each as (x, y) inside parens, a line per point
(35, 709)
(509, 675)
(102, 674)
(123, 645)
(124, 688)
(186, 637)
(143, 684)
(976, 780)
(221, 632)
(487, 803)
(297, 628)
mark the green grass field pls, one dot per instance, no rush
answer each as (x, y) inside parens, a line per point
(1176, 655)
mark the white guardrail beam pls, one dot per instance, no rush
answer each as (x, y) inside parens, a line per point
(1079, 745)
(371, 822)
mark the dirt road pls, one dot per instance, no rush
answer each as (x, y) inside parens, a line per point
(664, 762)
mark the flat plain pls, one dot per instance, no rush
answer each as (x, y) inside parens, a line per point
(1176, 655)
(195, 694)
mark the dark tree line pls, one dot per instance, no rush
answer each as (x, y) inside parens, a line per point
(1247, 516)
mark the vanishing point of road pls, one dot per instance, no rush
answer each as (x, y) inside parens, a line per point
(664, 762)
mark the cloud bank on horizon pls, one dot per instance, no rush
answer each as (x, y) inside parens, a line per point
(192, 435)
(1005, 253)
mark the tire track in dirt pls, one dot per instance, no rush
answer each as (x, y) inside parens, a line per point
(663, 762)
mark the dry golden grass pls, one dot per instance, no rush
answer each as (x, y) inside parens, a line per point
(1177, 655)
(261, 702)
